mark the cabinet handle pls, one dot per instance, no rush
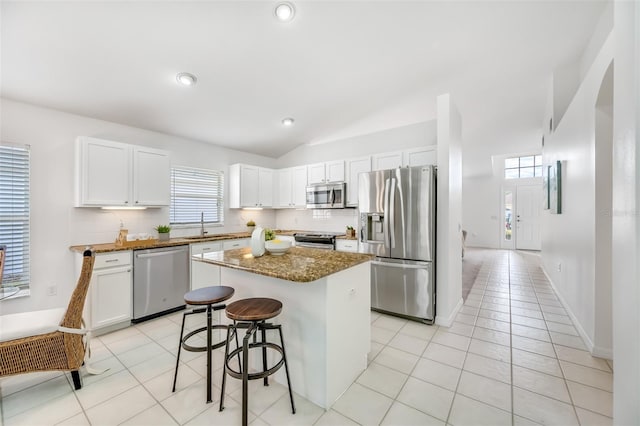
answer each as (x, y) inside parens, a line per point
(128, 270)
(111, 260)
(126, 202)
(136, 202)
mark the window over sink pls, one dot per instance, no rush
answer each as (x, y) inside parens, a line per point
(15, 215)
(195, 192)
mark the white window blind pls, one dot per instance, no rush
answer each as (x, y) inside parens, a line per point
(14, 213)
(196, 191)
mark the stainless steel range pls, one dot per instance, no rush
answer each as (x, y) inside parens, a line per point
(319, 241)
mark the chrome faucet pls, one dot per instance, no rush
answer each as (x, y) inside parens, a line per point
(202, 231)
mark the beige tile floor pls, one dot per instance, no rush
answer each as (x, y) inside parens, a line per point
(511, 357)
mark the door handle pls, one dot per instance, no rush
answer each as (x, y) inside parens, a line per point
(162, 253)
(385, 222)
(398, 265)
(392, 207)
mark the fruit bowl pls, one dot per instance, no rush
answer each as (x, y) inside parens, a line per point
(277, 247)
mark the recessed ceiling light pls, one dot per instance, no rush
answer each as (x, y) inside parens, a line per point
(186, 79)
(285, 11)
(287, 122)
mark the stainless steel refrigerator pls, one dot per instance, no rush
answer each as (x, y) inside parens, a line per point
(398, 225)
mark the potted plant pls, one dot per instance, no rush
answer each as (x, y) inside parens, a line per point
(163, 232)
(251, 225)
(351, 233)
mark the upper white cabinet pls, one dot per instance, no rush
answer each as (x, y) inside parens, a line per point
(291, 187)
(386, 160)
(250, 186)
(151, 177)
(420, 156)
(355, 166)
(331, 171)
(116, 174)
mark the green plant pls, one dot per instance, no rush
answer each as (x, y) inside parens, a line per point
(163, 229)
(349, 228)
(251, 223)
(269, 234)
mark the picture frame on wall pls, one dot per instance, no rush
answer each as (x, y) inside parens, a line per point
(545, 187)
(555, 187)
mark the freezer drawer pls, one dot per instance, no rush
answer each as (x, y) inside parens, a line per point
(403, 287)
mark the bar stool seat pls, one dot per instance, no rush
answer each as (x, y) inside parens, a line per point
(211, 298)
(251, 314)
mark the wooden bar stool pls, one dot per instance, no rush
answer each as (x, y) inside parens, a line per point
(208, 296)
(251, 314)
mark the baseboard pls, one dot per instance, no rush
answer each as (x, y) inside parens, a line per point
(448, 321)
(583, 335)
(600, 352)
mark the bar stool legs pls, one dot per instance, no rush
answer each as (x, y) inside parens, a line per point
(252, 329)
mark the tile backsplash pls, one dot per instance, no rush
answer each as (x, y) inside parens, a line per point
(330, 220)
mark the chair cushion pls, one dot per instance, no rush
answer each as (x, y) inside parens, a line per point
(16, 326)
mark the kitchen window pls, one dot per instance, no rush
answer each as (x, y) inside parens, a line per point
(15, 215)
(195, 192)
(523, 167)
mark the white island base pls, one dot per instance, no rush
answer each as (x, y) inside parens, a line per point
(325, 323)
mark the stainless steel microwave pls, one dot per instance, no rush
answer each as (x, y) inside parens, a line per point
(326, 196)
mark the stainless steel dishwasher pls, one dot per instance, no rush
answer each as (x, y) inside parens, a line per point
(160, 280)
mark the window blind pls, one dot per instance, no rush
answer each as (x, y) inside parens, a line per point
(14, 213)
(196, 191)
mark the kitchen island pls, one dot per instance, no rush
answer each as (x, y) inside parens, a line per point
(326, 298)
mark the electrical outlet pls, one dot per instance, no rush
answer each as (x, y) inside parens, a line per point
(559, 267)
(52, 290)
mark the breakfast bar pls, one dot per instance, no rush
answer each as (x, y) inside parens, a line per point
(326, 311)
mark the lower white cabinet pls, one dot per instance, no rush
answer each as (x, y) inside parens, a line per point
(347, 245)
(110, 295)
(205, 274)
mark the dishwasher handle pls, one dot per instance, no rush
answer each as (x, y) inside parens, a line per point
(161, 253)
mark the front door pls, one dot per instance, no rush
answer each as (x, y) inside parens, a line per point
(528, 209)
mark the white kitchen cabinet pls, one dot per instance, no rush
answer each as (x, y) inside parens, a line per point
(110, 296)
(204, 274)
(234, 244)
(355, 166)
(332, 171)
(386, 160)
(121, 175)
(347, 245)
(250, 186)
(420, 156)
(291, 187)
(151, 177)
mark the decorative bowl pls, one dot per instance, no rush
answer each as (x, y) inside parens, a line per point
(277, 247)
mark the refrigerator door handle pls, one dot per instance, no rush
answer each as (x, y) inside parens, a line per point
(399, 265)
(385, 223)
(391, 214)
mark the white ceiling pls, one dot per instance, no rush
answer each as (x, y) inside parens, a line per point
(339, 68)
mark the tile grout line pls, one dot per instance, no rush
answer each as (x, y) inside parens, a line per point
(513, 414)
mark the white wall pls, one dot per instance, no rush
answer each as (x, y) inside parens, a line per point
(568, 239)
(56, 225)
(625, 226)
(396, 139)
(449, 215)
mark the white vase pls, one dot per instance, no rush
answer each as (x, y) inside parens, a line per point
(164, 236)
(257, 242)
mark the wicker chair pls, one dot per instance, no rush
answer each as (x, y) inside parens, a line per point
(39, 341)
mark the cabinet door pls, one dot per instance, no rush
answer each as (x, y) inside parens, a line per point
(315, 173)
(151, 177)
(334, 171)
(234, 244)
(104, 173)
(421, 156)
(354, 168)
(387, 160)
(347, 245)
(111, 296)
(249, 186)
(265, 187)
(284, 182)
(204, 274)
(299, 187)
